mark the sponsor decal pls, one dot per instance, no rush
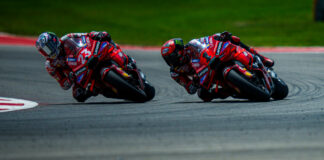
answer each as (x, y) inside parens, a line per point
(120, 54)
(71, 59)
(219, 48)
(207, 40)
(95, 52)
(88, 41)
(72, 63)
(203, 72)
(196, 65)
(79, 78)
(165, 50)
(246, 54)
(125, 75)
(104, 44)
(203, 79)
(195, 60)
(211, 39)
(84, 41)
(201, 40)
(80, 71)
(224, 46)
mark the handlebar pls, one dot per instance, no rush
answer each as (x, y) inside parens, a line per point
(244, 46)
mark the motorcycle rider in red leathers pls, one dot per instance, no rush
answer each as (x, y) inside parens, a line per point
(57, 51)
(180, 57)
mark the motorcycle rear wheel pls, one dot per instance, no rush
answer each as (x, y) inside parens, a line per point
(246, 88)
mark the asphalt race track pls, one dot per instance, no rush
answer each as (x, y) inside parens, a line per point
(174, 125)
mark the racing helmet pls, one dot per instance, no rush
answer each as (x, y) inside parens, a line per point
(48, 45)
(172, 52)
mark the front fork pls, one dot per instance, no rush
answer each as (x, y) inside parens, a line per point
(267, 73)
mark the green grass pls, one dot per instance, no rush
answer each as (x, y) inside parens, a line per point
(152, 22)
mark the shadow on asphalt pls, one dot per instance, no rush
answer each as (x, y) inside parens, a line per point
(221, 101)
(86, 103)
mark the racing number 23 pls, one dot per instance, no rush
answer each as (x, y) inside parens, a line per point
(85, 53)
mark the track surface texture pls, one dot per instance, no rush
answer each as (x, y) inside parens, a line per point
(174, 125)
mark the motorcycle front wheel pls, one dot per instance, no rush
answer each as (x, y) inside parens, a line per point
(281, 89)
(246, 88)
(125, 89)
(150, 91)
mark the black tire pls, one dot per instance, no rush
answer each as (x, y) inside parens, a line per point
(125, 90)
(281, 89)
(150, 91)
(247, 88)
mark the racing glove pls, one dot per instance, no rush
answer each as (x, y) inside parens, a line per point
(100, 36)
(265, 60)
(225, 36)
(253, 51)
(235, 40)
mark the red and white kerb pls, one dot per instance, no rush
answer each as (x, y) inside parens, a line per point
(12, 104)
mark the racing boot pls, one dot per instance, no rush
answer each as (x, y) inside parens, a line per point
(222, 93)
(265, 60)
(80, 94)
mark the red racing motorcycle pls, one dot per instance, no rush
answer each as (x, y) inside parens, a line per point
(89, 63)
(231, 67)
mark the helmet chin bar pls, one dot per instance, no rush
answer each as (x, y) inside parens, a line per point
(53, 56)
(51, 51)
(47, 50)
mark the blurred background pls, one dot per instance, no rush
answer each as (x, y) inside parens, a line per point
(152, 22)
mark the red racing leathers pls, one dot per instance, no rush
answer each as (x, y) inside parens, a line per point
(185, 74)
(61, 70)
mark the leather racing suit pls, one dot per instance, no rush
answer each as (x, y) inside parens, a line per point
(185, 75)
(60, 70)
